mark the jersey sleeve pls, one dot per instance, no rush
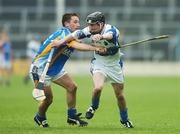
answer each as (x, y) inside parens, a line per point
(114, 31)
(80, 34)
(70, 44)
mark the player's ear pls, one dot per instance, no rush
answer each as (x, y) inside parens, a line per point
(66, 24)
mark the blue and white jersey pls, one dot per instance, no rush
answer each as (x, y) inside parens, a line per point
(60, 55)
(105, 60)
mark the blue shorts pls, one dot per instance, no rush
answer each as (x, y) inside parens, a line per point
(35, 74)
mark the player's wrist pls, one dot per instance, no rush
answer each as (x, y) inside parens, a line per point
(96, 49)
(102, 37)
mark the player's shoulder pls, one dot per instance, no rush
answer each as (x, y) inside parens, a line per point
(63, 30)
(111, 28)
(108, 26)
(7, 44)
(59, 32)
(86, 30)
(81, 33)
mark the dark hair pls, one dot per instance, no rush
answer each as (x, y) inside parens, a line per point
(67, 17)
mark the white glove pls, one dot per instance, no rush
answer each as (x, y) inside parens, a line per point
(38, 95)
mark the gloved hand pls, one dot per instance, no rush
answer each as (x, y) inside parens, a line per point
(110, 51)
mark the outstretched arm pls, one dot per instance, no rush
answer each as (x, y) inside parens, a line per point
(86, 47)
(106, 36)
(78, 34)
(57, 43)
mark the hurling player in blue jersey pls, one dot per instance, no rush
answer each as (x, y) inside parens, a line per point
(105, 66)
(5, 50)
(56, 72)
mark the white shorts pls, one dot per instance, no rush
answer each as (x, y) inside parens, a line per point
(5, 64)
(36, 74)
(2, 60)
(113, 74)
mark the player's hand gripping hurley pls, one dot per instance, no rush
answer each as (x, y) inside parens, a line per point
(38, 92)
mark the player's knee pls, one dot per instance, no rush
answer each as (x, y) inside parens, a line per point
(49, 99)
(98, 87)
(120, 97)
(72, 88)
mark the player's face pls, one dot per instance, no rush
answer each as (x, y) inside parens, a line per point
(74, 23)
(95, 28)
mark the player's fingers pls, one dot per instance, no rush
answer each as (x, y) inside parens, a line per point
(93, 38)
(55, 43)
(96, 37)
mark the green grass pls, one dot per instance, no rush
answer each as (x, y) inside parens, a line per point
(153, 104)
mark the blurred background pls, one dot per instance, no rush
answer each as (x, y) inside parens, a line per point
(136, 20)
(152, 70)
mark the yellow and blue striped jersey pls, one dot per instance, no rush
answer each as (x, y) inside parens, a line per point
(60, 55)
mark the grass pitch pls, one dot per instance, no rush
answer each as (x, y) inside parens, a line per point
(153, 104)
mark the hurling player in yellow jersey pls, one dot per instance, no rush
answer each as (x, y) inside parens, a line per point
(56, 72)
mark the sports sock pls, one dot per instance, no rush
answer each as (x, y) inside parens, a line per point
(71, 112)
(95, 103)
(124, 115)
(40, 117)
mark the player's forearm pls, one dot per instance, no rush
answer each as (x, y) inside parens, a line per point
(106, 36)
(84, 47)
(68, 38)
(57, 43)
